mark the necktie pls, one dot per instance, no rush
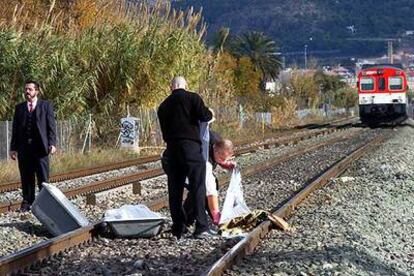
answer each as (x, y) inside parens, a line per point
(30, 107)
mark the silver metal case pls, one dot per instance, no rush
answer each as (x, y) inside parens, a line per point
(55, 211)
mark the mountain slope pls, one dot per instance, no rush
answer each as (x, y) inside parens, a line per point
(321, 24)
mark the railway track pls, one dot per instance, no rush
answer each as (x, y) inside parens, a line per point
(99, 186)
(242, 145)
(44, 250)
(248, 244)
(14, 185)
(11, 186)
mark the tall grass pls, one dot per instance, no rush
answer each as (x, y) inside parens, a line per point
(125, 54)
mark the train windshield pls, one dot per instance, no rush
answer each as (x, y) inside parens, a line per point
(395, 83)
(367, 84)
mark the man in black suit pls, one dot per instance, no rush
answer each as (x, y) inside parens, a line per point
(33, 139)
(179, 115)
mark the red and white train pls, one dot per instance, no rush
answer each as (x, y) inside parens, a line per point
(382, 91)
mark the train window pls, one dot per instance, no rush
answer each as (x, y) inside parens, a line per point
(367, 84)
(381, 84)
(395, 83)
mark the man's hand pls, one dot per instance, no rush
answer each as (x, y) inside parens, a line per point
(228, 165)
(13, 155)
(52, 149)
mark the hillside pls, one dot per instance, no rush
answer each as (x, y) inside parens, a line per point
(322, 24)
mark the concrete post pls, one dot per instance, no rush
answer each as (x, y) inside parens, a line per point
(136, 188)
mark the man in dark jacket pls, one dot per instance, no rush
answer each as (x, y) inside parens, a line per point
(33, 139)
(179, 115)
(218, 148)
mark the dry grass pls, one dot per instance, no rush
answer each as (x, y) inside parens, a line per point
(71, 161)
(285, 115)
(8, 171)
(233, 132)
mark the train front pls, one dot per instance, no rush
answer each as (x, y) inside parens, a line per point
(382, 91)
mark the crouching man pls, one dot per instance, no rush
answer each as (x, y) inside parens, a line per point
(221, 153)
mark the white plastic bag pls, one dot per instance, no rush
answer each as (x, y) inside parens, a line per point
(130, 212)
(234, 204)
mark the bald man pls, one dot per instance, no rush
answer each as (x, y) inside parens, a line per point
(179, 115)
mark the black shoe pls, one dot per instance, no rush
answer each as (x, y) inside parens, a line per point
(175, 237)
(179, 235)
(208, 234)
(25, 207)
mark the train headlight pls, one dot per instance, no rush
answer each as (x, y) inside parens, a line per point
(364, 100)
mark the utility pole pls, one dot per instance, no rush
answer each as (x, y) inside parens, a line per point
(390, 52)
(390, 45)
(306, 56)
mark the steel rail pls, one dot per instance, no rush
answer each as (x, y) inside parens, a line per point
(248, 244)
(11, 186)
(26, 257)
(15, 185)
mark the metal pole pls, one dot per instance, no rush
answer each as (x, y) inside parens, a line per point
(306, 56)
(87, 134)
(390, 52)
(263, 123)
(84, 141)
(90, 132)
(7, 140)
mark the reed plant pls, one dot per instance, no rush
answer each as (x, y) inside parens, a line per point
(123, 55)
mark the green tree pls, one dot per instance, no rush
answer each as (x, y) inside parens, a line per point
(328, 86)
(262, 51)
(303, 87)
(247, 80)
(219, 91)
(328, 82)
(346, 97)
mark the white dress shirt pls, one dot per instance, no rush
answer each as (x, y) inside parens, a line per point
(34, 103)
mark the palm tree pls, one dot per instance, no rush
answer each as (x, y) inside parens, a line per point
(262, 51)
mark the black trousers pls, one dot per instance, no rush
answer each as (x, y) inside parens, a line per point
(185, 160)
(32, 164)
(189, 210)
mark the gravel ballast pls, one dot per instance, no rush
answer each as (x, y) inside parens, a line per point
(164, 256)
(359, 224)
(20, 231)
